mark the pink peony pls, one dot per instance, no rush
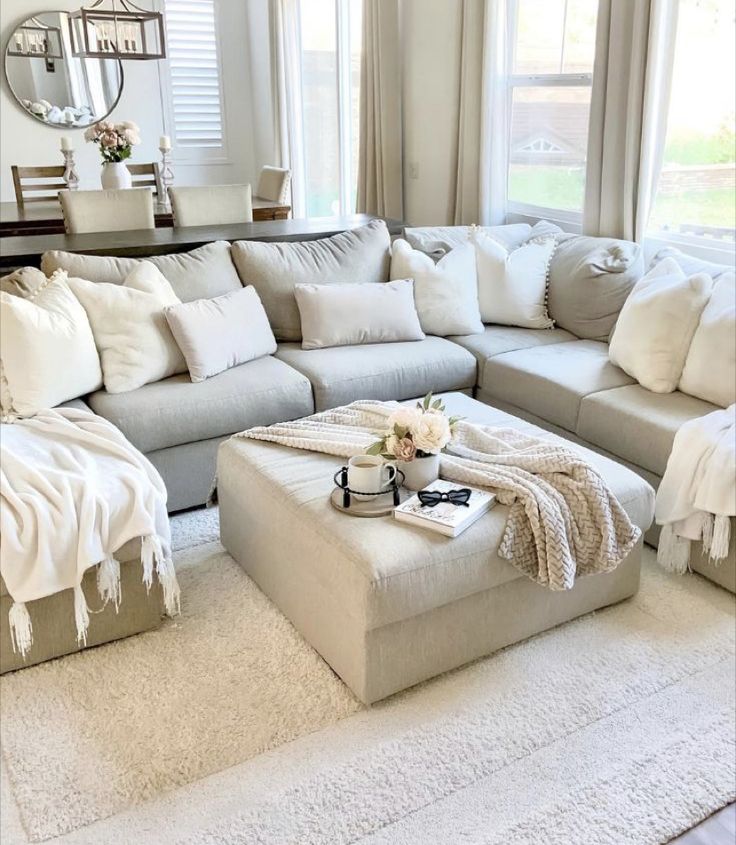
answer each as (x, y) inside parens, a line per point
(109, 139)
(403, 449)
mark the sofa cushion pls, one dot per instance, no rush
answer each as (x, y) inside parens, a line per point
(589, 280)
(636, 424)
(381, 371)
(177, 411)
(359, 255)
(204, 272)
(550, 381)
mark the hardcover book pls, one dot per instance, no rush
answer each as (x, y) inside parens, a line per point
(445, 517)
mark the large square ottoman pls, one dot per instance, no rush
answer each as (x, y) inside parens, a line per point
(388, 605)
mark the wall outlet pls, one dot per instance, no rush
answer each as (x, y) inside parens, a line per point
(413, 169)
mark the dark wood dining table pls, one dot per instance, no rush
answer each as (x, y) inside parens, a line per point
(27, 250)
(46, 218)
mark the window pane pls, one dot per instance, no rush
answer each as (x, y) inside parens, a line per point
(555, 36)
(696, 186)
(549, 137)
(319, 90)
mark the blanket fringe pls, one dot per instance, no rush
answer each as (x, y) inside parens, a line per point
(152, 553)
(21, 630)
(721, 538)
(673, 552)
(81, 615)
(108, 581)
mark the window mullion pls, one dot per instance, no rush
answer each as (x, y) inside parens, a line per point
(342, 16)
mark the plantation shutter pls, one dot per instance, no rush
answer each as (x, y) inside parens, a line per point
(194, 70)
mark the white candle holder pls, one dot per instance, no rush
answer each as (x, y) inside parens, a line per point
(167, 174)
(70, 172)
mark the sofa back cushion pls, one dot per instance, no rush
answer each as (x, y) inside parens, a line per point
(438, 240)
(202, 273)
(589, 281)
(359, 255)
(710, 368)
(691, 264)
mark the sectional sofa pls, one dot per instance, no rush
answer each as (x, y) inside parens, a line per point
(559, 378)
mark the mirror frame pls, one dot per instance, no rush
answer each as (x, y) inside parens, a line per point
(16, 99)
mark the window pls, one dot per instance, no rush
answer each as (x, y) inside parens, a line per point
(695, 202)
(550, 79)
(195, 92)
(331, 44)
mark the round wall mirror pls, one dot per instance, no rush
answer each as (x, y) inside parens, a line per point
(52, 85)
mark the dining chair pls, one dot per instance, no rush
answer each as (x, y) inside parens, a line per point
(147, 175)
(273, 184)
(37, 184)
(211, 205)
(107, 211)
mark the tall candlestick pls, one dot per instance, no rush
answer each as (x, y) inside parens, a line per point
(167, 175)
(70, 172)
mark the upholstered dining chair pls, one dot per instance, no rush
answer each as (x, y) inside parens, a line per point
(273, 184)
(211, 205)
(107, 211)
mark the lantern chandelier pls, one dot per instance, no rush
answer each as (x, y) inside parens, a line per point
(35, 39)
(117, 29)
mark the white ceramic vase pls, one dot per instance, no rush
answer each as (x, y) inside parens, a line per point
(115, 175)
(420, 472)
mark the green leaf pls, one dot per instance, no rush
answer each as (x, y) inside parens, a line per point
(427, 400)
(400, 431)
(375, 448)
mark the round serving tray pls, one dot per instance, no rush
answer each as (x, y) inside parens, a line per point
(381, 505)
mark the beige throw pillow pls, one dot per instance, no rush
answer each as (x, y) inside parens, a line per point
(133, 338)
(47, 351)
(220, 333)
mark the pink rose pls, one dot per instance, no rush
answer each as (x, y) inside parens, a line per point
(404, 449)
(109, 139)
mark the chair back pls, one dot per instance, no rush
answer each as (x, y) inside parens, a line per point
(211, 205)
(107, 211)
(273, 184)
(147, 175)
(38, 184)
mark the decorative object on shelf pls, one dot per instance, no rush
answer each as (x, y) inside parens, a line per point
(116, 142)
(381, 503)
(63, 91)
(117, 29)
(415, 438)
(70, 169)
(167, 174)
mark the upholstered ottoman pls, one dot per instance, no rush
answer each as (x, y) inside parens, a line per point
(388, 605)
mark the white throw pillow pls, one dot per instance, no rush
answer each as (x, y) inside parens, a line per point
(710, 368)
(446, 293)
(133, 338)
(656, 325)
(344, 315)
(47, 351)
(512, 286)
(220, 333)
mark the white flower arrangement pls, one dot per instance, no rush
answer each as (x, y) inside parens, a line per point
(416, 432)
(115, 140)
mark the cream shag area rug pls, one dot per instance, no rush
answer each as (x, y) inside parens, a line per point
(225, 727)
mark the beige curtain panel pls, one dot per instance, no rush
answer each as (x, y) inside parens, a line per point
(380, 172)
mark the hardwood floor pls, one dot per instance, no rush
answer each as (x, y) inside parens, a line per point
(718, 829)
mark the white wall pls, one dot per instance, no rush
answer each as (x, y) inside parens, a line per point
(25, 141)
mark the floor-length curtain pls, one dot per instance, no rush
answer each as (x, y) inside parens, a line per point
(631, 83)
(285, 36)
(380, 171)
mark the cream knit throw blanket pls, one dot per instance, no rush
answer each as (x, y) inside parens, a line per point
(563, 520)
(72, 492)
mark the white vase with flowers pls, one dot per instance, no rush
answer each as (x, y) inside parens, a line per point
(116, 142)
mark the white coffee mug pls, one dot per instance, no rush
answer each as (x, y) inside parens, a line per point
(370, 474)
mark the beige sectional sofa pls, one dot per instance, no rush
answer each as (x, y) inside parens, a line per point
(559, 378)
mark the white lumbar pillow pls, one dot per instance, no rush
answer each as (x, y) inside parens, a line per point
(220, 333)
(710, 368)
(512, 286)
(134, 340)
(656, 325)
(47, 351)
(446, 293)
(347, 314)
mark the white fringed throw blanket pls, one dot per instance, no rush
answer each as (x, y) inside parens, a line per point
(563, 520)
(72, 492)
(697, 496)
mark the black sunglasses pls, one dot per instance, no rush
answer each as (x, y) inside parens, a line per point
(429, 498)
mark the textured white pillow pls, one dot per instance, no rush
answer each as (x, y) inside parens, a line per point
(656, 325)
(47, 351)
(710, 368)
(446, 293)
(220, 333)
(133, 338)
(343, 315)
(512, 286)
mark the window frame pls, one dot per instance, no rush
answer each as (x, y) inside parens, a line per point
(192, 155)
